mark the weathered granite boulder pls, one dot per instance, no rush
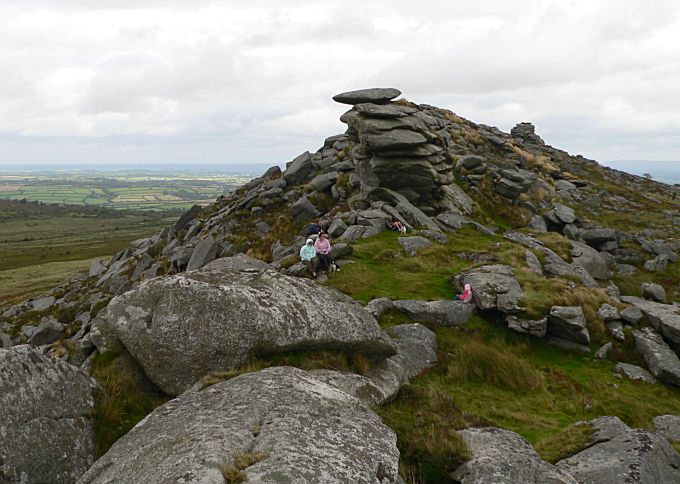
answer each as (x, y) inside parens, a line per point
(303, 209)
(634, 372)
(46, 408)
(376, 95)
(5, 341)
(660, 359)
(169, 324)
(493, 287)
(568, 322)
(413, 245)
(615, 328)
(664, 318)
(658, 247)
(632, 315)
(591, 260)
(299, 169)
(668, 426)
(416, 351)
(444, 312)
(653, 291)
(657, 264)
(504, 457)
(618, 453)
(48, 331)
(534, 327)
(607, 312)
(205, 251)
(603, 352)
(596, 237)
(561, 214)
(43, 303)
(295, 427)
(379, 305)
(97, 268)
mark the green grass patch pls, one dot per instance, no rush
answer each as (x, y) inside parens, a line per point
(126, 397)
(565, 443)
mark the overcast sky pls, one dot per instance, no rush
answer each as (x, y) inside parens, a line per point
(174, 81)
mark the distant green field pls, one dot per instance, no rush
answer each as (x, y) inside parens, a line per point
(119, 191)
(43, 246)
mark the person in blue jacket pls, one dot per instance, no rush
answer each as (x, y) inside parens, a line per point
(308, 256)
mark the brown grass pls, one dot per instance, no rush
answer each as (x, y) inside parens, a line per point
(233, 473)
(496, 364)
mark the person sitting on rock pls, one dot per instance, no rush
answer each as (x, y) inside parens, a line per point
(323, 251)
(397, 226)
(308, 256)
(466, 295)
(313, 230)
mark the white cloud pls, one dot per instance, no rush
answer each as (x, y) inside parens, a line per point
(252, 81)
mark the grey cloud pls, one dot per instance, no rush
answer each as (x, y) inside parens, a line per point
(251, 81)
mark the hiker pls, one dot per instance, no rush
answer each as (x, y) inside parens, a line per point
(323, 251)
(308, 256)
(466, 296)
(313, 230)
(397, 226)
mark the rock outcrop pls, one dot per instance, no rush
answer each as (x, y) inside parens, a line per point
(493, 287)
(660, 359)
(665, 318)
(618, 453)
(504, 457)
(276, 425)
(180, 328)
(46, 408)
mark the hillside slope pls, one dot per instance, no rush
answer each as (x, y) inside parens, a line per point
(565, 257)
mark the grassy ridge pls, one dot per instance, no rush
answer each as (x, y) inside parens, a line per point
(487, 374)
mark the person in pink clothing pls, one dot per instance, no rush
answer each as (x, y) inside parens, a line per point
(466, 296)
(323, 251)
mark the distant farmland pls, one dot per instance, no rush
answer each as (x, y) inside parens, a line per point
(125, 191)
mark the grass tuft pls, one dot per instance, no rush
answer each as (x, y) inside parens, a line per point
(126, 397)
(496, 364)
(233, 473)
(565, 443)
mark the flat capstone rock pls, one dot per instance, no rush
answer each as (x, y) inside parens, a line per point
(374, 95)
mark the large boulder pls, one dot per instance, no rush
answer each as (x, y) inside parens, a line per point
(664, 318)
(504, 457)
(443, 312)
(376, 95)
(303, 209)
(48, 331)
(561, 214)
(660, 359)
(414, 244)
(182, 327)
(43, 303)
(653, 292)
(205, 251)
(618, 453)
(493, 287)
(46, 408)
(591, 260)
(598, 236)
(568, 322)
(299, 169)
(668, 426)
(287, 425)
